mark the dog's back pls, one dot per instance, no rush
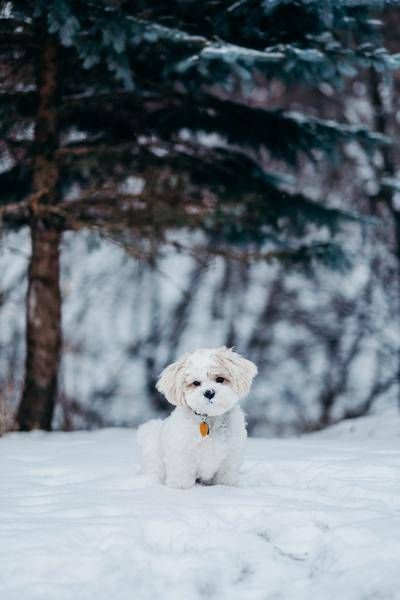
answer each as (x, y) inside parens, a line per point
(148, 439)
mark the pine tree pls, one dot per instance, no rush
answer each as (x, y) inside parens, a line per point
(94, 94)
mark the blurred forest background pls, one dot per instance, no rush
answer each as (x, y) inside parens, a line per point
(206, 173)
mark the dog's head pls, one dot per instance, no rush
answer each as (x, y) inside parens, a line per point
(210, 380)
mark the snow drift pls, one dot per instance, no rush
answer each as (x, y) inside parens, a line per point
(314, 517)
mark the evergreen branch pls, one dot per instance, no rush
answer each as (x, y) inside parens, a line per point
(15, 214)
(23, 101)
(141, 48)
(248, 201)
(15, 184)
(327, 254)
(17, 39)
(117, 223)
(8, 23)
(259, 22)
(285, 135)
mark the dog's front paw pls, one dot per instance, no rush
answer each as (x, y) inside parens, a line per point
(226, 477)
(232, 481)
(180, 484)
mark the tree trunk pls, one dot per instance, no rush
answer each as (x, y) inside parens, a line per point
(43, 331)
(43, 311)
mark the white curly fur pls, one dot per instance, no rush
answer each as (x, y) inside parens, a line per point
(172, 450)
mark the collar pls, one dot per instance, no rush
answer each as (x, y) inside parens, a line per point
(202, 415)
(204, 427)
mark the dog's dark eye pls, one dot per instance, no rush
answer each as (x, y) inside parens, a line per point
(220, 380)
(196, 383)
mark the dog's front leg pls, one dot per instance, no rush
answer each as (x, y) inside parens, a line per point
(180, 474)
(228, 472)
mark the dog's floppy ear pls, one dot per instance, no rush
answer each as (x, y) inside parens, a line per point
(171, 382)
(241, 370)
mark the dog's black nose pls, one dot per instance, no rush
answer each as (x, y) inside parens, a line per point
(209, 394)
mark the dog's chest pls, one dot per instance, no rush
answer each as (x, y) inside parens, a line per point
(212, 449)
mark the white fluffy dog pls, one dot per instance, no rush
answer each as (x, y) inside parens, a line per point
(202, 440)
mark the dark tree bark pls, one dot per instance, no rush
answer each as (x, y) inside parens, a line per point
(43, 311)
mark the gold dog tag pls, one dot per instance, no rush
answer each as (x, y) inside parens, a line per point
(204, 428)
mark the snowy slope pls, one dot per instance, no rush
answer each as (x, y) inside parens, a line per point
(314, 518)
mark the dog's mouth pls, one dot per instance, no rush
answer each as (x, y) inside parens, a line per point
(209, 410)
(211, 401)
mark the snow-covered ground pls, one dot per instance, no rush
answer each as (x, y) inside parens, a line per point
(314, 518)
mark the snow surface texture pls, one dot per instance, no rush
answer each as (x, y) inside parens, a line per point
(316, 517)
